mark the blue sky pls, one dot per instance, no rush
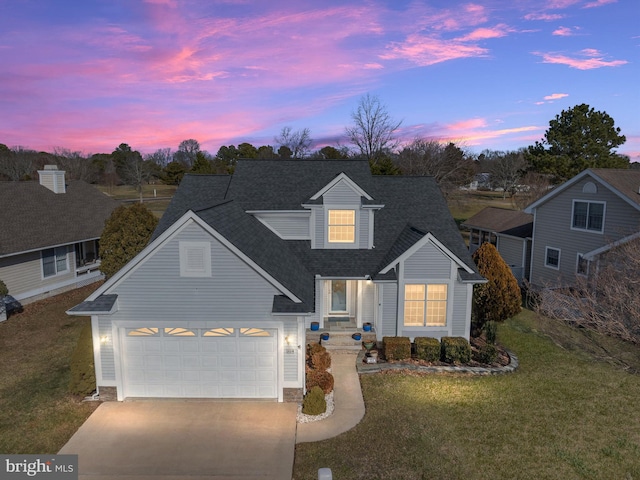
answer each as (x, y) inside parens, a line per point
(89, 75)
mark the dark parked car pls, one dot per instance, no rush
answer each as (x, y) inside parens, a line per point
(12, 305)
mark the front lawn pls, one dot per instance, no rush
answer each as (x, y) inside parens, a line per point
(563, 414)
(37, 415)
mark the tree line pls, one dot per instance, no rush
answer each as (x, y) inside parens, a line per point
(577, 138)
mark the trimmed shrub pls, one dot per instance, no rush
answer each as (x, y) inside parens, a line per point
(83, 375)
(3, 289)
(427, 348)
(314, 402)
(487, 354)
(490, 332)
(455, 350)
(319, 378)
(397, 348)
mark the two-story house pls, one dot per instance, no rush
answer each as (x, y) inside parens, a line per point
(579, 220)
(220, 302)
(49, 234)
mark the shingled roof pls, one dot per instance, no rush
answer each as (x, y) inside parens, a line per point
(501, 220)
(412, 207)
(33, 217)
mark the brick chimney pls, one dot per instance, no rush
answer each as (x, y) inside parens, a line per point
(53, 179)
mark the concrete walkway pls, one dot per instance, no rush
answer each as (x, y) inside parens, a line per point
(347, 396)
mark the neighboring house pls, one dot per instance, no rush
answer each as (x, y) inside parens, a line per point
(49, 234)
(219, 303)
(581, 219)
(509, 231)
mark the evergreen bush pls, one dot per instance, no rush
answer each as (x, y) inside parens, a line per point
(455, 350)
(397, 348)
(490, 332)
(314, 402)
(500, 297)
(3, 289)
(427, 348)
(488, 354)
(83, 375)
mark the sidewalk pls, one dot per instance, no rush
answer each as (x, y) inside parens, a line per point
(348, 402)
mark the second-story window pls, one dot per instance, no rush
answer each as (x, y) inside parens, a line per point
(342, 226)
(588, 216)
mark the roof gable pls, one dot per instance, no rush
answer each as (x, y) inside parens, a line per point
(625, 183)
(344, 180)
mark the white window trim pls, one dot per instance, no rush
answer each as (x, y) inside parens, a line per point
(205, 247)
(356, 237)
(55, 263)
(573, 208)
(578, 255)
(449, 306)
(546, 256)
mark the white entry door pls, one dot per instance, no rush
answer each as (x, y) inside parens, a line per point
(217, 362)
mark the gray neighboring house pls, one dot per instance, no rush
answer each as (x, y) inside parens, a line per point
(219, 304)
(49, 235)
(581, 219)
(510, 231)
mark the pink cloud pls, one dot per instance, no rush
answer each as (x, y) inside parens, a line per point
(467, 124)
(426, 51)
(543, 16)
(599, 3)
(485, 33)
(556, 96)
(594, 60)
(563, 32)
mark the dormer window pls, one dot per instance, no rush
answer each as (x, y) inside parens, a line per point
(342, 226)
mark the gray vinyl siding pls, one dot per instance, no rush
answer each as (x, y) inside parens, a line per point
(155, 291)
(23, 273)
(341, 194)
(107, 358)
(427, 263)
(288, 226)
(553, 221)
(511, 250)
(389, 309)
(459, 311)
(290, 362)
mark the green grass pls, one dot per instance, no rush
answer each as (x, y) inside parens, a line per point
(563, 414)
(37, 415)
(465, 204)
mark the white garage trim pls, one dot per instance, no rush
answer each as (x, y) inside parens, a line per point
(205, 360)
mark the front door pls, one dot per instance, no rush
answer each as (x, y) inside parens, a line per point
(339, 297)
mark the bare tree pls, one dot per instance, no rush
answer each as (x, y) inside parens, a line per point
(450, 166)
(373, 129)
(534, 186)
(298, 142)
(76, 165)
(17, 163)
(606, 294)
(187, 151)
(161, 157)
(506, 170)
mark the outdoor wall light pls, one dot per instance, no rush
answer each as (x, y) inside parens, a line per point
(104, 339)
(288, 339)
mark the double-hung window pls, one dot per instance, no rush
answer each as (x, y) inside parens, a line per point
(552, 258)
(425, 305)
(588, 216)
(54, 261)
(342, 226)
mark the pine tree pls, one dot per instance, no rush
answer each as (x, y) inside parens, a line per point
(500, 297)
(126, 233)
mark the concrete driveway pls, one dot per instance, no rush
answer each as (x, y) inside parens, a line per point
(178, 439)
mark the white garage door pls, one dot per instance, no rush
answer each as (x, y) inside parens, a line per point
(200, 362)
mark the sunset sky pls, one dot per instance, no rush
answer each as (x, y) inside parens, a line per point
(88, 75)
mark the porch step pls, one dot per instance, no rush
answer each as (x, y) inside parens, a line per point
(340, 340)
